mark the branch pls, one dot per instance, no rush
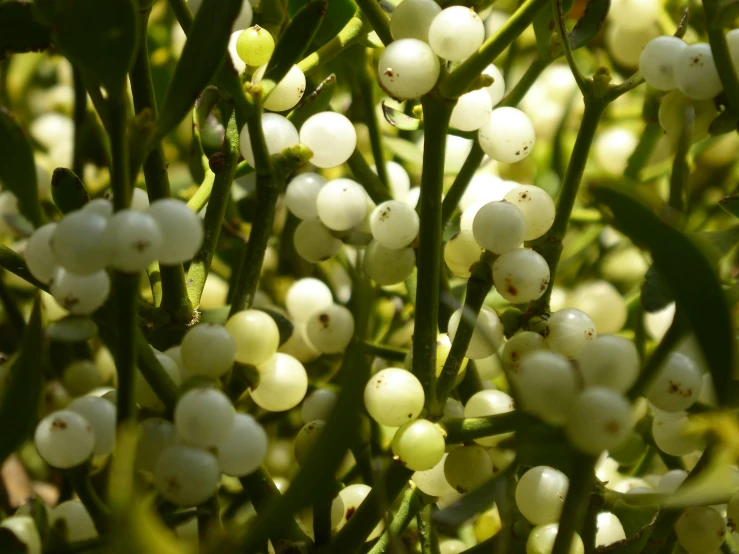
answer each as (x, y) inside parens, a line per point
(352, 32)
(377, 18)
(465, 430)
(559, 18)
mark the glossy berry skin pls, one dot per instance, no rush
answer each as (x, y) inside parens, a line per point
(408, 68)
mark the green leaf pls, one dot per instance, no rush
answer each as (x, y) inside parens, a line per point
(17, 167)
(338, 14)
(67, 190)
(637, 522)
(100, 37)
(20, 401)
(590, 24)
(544, 29)
(295, 39)
(72, 329)
(690, 276)
(655, 292)
(21, 30)
(398, 119)
(682, 26)
(204, 51)
(730, 204)
(316, 102)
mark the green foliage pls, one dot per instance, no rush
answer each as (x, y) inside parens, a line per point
(697, 292)
(67, 190)
(201, 58)
(338, 13)
(17, 167)
(21, 30)
(20, 399)
(100, 37)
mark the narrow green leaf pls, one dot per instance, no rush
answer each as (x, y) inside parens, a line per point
(655, 292)
(17, 167)
(690, 276)
(730, 204)
(682, 26)
(316, 102)
(398, 119)
(100, 37)
(295, 39)
(67, 190)
(204, 51)
(20, 401)
(338, 14)
(21, 30)
(544, 29)
(590, 24)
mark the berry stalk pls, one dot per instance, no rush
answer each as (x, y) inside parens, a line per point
(550, 246)
(174, 298)
(478, 286)
(438, 112)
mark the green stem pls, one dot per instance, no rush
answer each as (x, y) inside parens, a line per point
(413, 502)
(460, 80)
(479, 285)
(559, 19)
(654, 364)
(438, 112)
(576, 503)
(427, 534)
(386, 352)
(465, 430)
(476, 155)
(721, 56)
(371, 510)
(126, 288)
(367, 178)
(158, 379)
(262, 490)
(174, 292)
(550, 246)
(202, 195)
(214, 214)
(119, 172)
(80, 480)
(80, 113)
(322, 519)
(268, 189)
(352, 32)
(365, 91)
(377, 18)
(680, 167)
(318, 471)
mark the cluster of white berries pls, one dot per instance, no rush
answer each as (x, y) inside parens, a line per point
(524, 213)
(409, 67)
(72, 256)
